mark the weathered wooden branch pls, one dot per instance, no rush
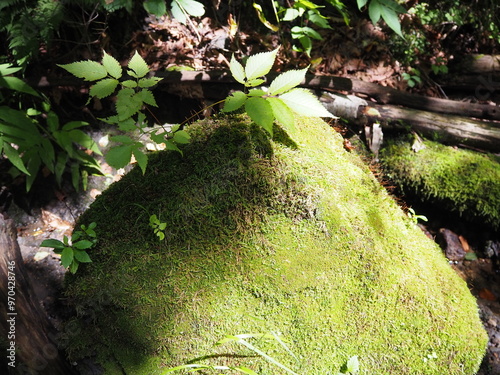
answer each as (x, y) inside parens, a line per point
(25, 327)
(483, 135)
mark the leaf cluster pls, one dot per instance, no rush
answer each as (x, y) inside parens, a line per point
(388, 10)
(278, 102)
(134, 92)
(157, 226)
(33, 138)
(74, 253)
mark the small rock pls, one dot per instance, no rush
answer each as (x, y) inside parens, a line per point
(450, 243)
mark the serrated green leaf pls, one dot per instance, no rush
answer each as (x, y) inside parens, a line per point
(374, 11)
(112, 66)
(169, 145)
(392, 20)
(282, 113)
(88, 70)
(156, 7)
(81, 256)
(129, 83)
(13, 156)
(260, 64)
(103, 88)
(192, 7)
(83, 244)
(55, 244)
(149, 82)
(260, 112)
(237, 70)
(127, 103)
(138, 65)
(181, 136)
(141, 158)
(147, 97)
(286, 81)
(304, 103)
(127, 125)
(16, 84)
(234, 101)
(256, 92)
(119, 156)
(255, 82)
(67, 257)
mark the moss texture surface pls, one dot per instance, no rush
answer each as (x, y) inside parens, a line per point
(458, 180)
(292, 236)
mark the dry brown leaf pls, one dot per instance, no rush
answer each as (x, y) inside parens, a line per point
(464, 243)
(487, 295)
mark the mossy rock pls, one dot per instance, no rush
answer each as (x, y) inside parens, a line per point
(291, 235)
(457, 180)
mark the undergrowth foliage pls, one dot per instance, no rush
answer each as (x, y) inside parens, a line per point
(33, 138)
(277, 102)
(133, 95)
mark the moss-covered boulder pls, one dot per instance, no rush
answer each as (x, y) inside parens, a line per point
(292, 236)
(457, 180)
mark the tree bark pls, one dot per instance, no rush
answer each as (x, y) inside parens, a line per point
(29, 336)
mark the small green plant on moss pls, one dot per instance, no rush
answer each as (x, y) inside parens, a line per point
(351, 367)
(158, 226)
(134, 93)
(279, 101)
(414, 217)
(74, 253)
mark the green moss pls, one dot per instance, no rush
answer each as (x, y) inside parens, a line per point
(458, 180)
(293, 236)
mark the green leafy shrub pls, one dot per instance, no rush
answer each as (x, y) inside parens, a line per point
(133, 94)
(74, 253)
(33, 138)
(279, 101)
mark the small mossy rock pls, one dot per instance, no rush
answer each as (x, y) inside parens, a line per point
(460, 181)
(291, 235)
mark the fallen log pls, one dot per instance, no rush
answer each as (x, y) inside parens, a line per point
(209, 81)
(457, 130)
(31, 347)
(383, 94)
(477, 63)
